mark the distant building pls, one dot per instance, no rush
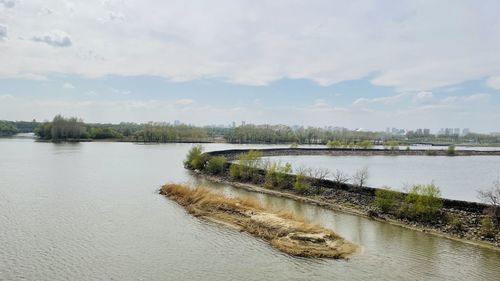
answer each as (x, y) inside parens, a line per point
(456, 131)
(427, 132)
(465, 131)
(177, 122)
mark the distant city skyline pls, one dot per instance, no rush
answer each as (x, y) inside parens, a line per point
(313, 63)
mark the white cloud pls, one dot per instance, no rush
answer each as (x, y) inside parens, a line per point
(8, 3)
(3, 32)
(91, 93)
(184, 102)
(408, 45)
(55, 38)
(68, 86)
(480, 97)
(423, 98)
(494, 82)
(6, 97)
(383, 100)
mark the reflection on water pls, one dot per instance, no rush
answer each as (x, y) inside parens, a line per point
(89, 211)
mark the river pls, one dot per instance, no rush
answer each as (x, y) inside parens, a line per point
(90, 211)
(458, 177)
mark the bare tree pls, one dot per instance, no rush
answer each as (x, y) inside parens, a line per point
(340, 176)
(319, 173)
(490, 196)
(360, 177)
(303, 171)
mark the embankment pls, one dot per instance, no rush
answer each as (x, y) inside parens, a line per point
(456, 219)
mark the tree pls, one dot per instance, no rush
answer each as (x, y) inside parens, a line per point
(451, 149)
(249, 163)
(387, 200)
(301, 184)
(194, 159)
(392, 144)
(216, 165)
(340, 177)
(492, 195)
(424, 201)
(319, 173)
(276, 175)
(334, 144)
(366, 144)
(360, 177)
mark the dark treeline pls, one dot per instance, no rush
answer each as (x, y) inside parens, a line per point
(61, 128)
(8, 128)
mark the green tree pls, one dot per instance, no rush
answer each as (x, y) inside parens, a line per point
(216, 165)
(276, 175)
(392, 144)
(424, 201)
(301, 184)
(451, 149)
(387, 200)
(249, 164)
(365, 144)
(334, 144)
(194, 159)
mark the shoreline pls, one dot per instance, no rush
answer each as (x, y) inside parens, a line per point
(347, 210)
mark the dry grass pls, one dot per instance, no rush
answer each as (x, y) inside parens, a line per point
(284, 231)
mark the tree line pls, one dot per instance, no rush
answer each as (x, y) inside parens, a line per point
(8, 128)
(75, 128)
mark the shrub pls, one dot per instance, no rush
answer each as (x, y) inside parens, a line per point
(387, 200)
(249, 163)
(294, 145)
(276, 175)
(216, 165)
(455, 223)
(488, 227)
(424, 201)
(366, 144)
(393, 145)
(301, 184)
(431, 152)
(235, 171)
(451, 149)
(334, 144)
(194, 159)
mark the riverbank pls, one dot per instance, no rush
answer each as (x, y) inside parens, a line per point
(282, 230)
(460, 220)
(342, 204)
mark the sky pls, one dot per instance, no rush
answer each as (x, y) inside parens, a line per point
(355, 64)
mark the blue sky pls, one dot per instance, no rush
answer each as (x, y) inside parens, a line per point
(356, 64)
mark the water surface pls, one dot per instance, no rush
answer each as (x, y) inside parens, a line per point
(459, 177)
(90, 211)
